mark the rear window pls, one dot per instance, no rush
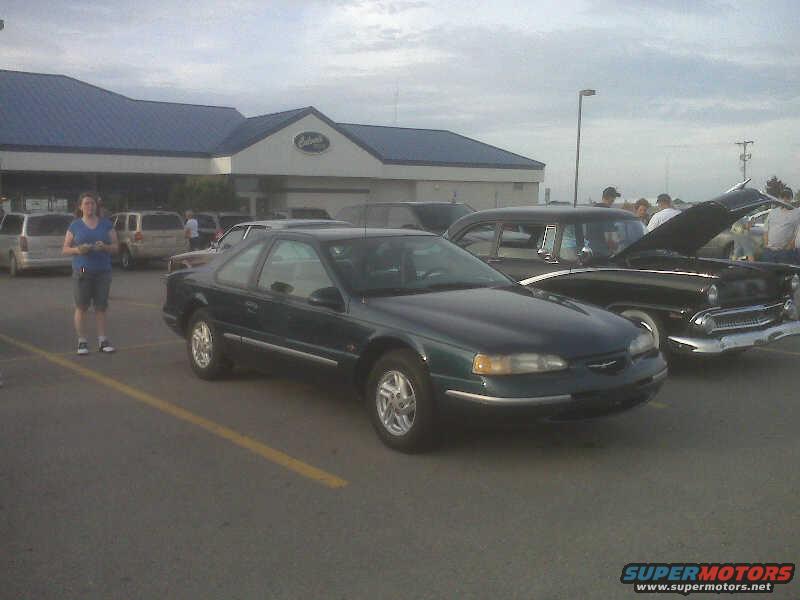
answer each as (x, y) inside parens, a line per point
(438, 217)
(56, 225)
(161, 222)
(205, 222)
(228, 221)
(310, 213)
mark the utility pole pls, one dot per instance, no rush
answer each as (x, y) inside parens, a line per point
(744, 156)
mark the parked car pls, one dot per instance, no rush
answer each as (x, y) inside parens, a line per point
(33, 241)
(239, 233)
(211, 225)
(419, 325)
(435, 217)
(298, 212)
(148, 235)
(743, 241)
(691, 305)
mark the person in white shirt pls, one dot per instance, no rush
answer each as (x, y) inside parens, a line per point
(665, 212)
(192, 231)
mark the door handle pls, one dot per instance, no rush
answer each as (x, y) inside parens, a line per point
(251, 306)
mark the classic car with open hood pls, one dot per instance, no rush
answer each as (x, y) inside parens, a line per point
(692, 305)
(421, 327)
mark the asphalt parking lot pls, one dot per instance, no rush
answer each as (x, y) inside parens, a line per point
(125, 476)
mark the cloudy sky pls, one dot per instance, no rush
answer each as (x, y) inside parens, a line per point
(679, 81)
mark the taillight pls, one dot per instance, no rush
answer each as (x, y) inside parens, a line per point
(138, 237)
(218, 234)
(23, 243)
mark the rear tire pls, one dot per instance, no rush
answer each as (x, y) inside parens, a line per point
(13, 267)
(204, 345)
(125, 259)
(400, 400)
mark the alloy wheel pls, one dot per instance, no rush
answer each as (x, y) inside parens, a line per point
(396, 403)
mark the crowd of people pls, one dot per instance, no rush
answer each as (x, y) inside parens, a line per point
(781, 231)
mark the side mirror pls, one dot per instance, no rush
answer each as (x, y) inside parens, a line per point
(544, 254)
(329, 297)
(585, 255)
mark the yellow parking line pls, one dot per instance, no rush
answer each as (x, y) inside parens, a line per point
(656, 404)
(119, 349)
(271, 454)
(779, 351)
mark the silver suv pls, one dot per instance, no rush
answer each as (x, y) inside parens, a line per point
(147, 235)
(33, 241)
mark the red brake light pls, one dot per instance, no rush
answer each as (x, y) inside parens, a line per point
(138, 237)
(23, 243)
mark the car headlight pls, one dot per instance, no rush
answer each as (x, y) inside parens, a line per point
(516, 364)
(706, 323)
(713, 295)
(642, 344)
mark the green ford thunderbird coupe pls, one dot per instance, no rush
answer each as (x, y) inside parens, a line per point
(419, 325)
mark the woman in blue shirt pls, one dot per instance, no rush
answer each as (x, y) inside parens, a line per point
(91, 240)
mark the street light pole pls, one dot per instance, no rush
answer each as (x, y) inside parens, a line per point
(581, 94)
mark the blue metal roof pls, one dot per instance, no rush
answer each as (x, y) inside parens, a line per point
(257, 128)
(399, 145)
(56, 113)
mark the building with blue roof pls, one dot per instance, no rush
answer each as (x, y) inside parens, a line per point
(59, 136)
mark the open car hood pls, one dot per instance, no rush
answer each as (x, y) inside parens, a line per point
(689, 231)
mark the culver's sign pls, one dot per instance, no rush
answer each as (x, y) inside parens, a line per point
(311, 142)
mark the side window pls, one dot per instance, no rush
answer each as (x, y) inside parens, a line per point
(549, 241)
(254, 231)
(233, 237)
(569, 244)
(119, 223)
(479, 239)
(238, 270)
(521, 240)
(401, 217)
(293, 268)
(131, 222)
(377, 215)
(205, 222)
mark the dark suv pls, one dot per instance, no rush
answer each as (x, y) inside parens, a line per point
(435, 217)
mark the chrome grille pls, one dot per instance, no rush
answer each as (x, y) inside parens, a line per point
(751, 317)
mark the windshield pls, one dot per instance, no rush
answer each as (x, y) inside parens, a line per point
(438, 217)
(408, 265)
(603, 238)
(161, 222)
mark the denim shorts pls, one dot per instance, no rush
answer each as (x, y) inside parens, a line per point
(91, 287)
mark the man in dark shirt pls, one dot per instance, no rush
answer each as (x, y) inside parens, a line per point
(609, 195)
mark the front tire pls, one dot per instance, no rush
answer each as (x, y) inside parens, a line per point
(400, 401)
(649, 322)
(204, 345)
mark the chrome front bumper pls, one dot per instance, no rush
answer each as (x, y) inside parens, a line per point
(534, 401)
(747, 339)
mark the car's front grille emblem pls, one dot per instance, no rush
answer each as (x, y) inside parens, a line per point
(607, 367)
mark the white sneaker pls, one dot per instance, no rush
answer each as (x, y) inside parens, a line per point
(83, 348)
(105, 346)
